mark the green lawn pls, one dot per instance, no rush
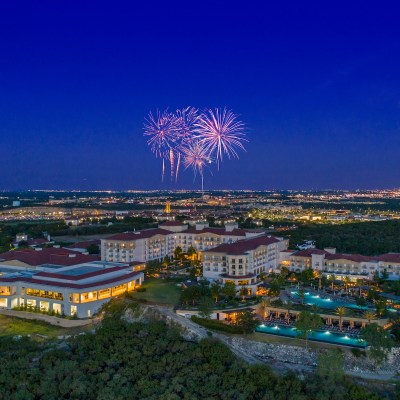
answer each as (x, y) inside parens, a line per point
(11, 326)
(159, 291)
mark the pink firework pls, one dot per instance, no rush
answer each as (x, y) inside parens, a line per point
(196, 157)
(163, 130)
(186, 119)
(221, 133)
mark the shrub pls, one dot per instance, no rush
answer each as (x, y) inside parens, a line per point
(215, 324)
(357, 352)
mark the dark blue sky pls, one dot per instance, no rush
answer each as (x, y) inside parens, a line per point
(318, 85)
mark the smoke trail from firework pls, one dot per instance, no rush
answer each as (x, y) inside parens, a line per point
(195, 157)
(221, 133)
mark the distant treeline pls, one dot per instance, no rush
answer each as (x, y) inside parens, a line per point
(368, 238)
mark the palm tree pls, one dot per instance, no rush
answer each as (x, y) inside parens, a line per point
(301, 295)
(264, 305)
(341, 312)
(360, 283)
(289, 305)
(369, 315)
(244, 291)
(332, 280)
(318, 275)
(346, 281)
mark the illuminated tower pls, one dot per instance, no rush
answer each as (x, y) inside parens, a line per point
(167, 207)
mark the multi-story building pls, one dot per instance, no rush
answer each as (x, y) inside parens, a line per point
(70, 290)
(353, 266)
(243, 261)
(155, 244)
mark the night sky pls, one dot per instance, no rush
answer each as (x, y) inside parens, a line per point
(317, 84)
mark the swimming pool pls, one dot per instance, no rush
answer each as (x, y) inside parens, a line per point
(318, 336)
(328, 303)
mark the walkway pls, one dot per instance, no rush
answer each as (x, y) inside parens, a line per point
(62, 322)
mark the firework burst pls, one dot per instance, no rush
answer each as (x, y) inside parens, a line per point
(221, 133)
(163, 130)
(196, 157)
(195, 139)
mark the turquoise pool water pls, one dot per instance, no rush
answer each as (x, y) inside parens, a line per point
(318, 336)
(326, 302)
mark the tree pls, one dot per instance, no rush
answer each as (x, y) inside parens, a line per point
(330, 364)
(93, 249)
(341, 312)
(301, 295)
(369, 315)
(380, 306)
(384, 275)
(360, 301)
(379, 342)
(376, 278)
(330, 375)
(331, 279)
(192, 253)
(205, 307)
(306, 323)
(216, 291)
(178, 253)
(275, 289)
(191, 294)
(346, 281)
(264, 305)
(288, 306)
(246, 321)
(244, 291)
(306, 276)
(284, 272)
(229, 289)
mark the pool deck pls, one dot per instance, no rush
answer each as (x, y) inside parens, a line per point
(331, 317)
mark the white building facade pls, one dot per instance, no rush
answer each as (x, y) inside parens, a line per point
(243, 261)
(78, 290)
(155, 244)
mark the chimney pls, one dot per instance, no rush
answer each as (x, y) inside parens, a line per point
(331, 250)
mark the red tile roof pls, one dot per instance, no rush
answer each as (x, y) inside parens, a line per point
(71, 285)
(49, 255)
(389, 257)
(350, 257)
(309, 252)
(171, 223)
(84, 244)
(147, 233)
(242, 246)
(217, 231)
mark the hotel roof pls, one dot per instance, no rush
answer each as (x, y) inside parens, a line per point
(49, 255)
(243, 246)
(145, 234)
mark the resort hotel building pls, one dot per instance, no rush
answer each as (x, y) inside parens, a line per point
(243, 261)
(67, 287)
(353, 266)
(155, 244)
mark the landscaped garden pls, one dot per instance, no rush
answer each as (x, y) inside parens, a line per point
(158, 291)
